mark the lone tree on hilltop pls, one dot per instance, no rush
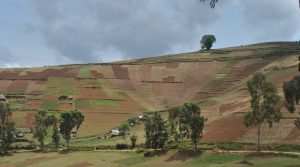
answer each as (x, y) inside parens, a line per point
(264, 100)
(7, 127)
(68, 121)
(291, 91)
(207, 41)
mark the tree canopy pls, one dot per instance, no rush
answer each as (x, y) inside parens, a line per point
(291, 92)
(264, 102)
(207, 41)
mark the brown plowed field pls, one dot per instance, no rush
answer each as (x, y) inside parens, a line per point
(90, 93)
(226, 129)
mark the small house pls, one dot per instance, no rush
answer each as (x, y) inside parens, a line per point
(70, 98)
(143, 117)
(115, 132)
(2, 98)
(74, 131)
(63, 98)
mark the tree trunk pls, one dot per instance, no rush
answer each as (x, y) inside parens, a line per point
(195, 146)
(258, 138)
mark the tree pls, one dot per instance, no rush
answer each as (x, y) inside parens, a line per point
(124, 128)
(68, 121)
(264, 100)
(7, 126)
(187, 112)
(133, 139)
(42, 122)
(291, 92)
(197, 125)
(174, 123)
(156, 132)
(207, 41)
(53, 120)
(213, 3)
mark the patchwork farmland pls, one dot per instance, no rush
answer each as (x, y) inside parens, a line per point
(110, 93)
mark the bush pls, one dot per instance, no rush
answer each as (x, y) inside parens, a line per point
(121, 146)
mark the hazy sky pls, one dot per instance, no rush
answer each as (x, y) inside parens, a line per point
(50, 32)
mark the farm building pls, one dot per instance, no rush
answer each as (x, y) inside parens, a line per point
(65, 98)
(143, 117)
(2, 98)
(115, 132)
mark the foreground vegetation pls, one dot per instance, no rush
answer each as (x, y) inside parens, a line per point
(167, 159)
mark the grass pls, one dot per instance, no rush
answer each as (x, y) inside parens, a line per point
(50, 105)
(95, 103)
(84, 72)
(215, 159)
(60, 86)
(124, 159)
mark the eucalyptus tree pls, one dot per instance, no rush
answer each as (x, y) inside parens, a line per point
(7, 126)
(264, 102)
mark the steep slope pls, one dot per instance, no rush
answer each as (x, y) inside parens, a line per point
(111, 93)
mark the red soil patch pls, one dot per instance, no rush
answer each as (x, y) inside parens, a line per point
(33, 104)
(82, 164)
(144, 72)
(172, 65)
(9, 74)
(169, 79)
(156, 88)
(97, 74)
(19, 86)
(51, 97)
(120, 72)
(226, 129)
(36, 87)
(30, 120)
(92, 93)
(232, 106)
(121, 84)
(65, 106)
(294, 136)
(4, 84)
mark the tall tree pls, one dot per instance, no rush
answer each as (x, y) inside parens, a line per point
(196, 125)
(156, 131)
(42, 121)
(291, 91)
(174, 123)
(187, 112)
(264, 100)
(7, 126)
(68, 121)
(53, 121)
(207, 41)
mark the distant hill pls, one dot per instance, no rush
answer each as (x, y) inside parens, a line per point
(110, 93)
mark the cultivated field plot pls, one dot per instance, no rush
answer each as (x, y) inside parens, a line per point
(123, 159)
(97, 123)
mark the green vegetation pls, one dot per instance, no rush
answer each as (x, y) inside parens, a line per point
(85, 72)
(95, 103)
(68, 121)
(264, 99)
(156, 132)
(207, 41)
(50, 105)
(7, 127)
(291, 91)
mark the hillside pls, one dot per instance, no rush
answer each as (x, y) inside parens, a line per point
(110, 93)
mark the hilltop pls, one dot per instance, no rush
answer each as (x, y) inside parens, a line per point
(110, 93)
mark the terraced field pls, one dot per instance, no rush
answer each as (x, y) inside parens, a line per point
(109, 94)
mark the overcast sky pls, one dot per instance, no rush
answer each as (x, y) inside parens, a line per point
(51, 32)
